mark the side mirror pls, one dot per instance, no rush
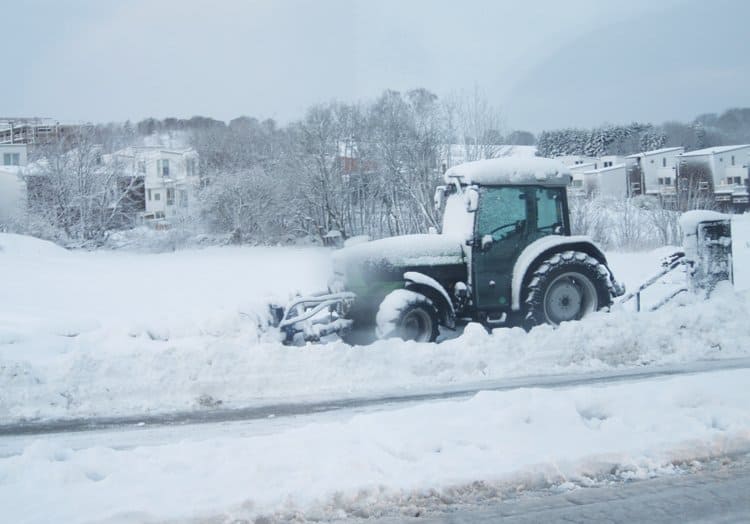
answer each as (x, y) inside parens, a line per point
(439, 197)
(472, 199)
(486, 243)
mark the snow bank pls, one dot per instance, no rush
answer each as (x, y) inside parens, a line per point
(434, 454)
(108, 333)
(21, 247)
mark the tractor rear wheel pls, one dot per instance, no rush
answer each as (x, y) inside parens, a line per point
(566, 286)
(407, 315)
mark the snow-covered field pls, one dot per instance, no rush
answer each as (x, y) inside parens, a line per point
(111, 333)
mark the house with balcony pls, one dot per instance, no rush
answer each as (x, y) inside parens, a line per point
(653, 172)
(720, 170)
(169, 179)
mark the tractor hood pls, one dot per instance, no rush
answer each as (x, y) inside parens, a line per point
(402, 251)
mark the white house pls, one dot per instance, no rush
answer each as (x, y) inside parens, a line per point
(609, 181)
(170, 178)
(653, 172)
(725, 168)
(577, 187)
(13, 155)
(12, 194)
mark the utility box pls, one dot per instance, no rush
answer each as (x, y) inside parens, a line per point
(717, 246)
(741, 252)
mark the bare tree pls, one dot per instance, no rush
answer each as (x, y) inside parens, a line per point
(475, 124)
(77, 188)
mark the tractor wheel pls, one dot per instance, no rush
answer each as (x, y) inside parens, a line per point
(407, 315)
(566, 286)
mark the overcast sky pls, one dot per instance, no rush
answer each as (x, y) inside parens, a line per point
(544, 63)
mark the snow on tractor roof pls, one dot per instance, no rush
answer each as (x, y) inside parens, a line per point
(511, 170)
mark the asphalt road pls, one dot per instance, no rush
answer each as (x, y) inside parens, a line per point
(718, 492)
(292, 409)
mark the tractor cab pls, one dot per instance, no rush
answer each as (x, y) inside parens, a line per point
(501, 207)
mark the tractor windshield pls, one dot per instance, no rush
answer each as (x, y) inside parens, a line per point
(527, 211)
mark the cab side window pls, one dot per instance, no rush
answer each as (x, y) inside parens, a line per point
(549, 209)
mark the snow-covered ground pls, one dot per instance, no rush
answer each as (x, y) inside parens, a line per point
(112, 333)
(407, 459)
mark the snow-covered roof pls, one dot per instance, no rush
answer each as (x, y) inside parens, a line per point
(714, 150)
(656, 152)
(581, 167)
(604, 169)
(511, 171)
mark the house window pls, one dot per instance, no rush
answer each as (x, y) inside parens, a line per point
(661, 181)
(11, 159)
(652, 160)
(190, 165)
(170, 196)
(738, 180)
(608, 164)
(162, 167)
(183, 198)
(667, 180)
(635, 187)
(664, 161)
(577, 183)
(157, 196)
(729, 180)
(732, 159)
(141, 166)
(149, 195)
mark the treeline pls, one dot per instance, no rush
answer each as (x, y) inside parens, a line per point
(707, 130)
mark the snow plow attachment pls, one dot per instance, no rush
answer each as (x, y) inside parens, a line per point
(675, 261)
(312, 317)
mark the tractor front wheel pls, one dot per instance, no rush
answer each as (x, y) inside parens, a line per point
(407, 315)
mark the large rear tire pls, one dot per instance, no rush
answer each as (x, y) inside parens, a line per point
(407, 315)
(567, 286)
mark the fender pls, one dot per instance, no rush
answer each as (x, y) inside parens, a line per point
(417, 279)
(544, 248)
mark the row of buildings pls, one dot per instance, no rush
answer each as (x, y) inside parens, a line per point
(714, 177)
(160, 182)
(34, 131)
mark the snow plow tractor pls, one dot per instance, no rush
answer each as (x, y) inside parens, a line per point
(505, 257)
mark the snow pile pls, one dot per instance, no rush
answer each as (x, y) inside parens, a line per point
(111, 333)
(411, 459)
